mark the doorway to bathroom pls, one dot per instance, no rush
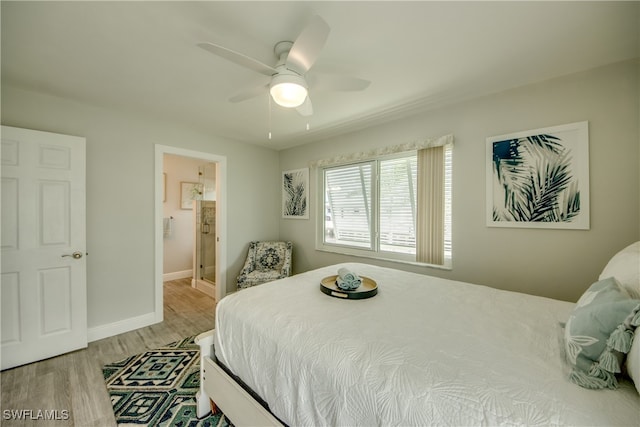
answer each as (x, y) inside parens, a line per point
(190, 221)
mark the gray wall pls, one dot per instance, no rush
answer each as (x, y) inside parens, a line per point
(553, 263)
(120, 191)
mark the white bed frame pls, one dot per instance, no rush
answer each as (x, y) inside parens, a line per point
(219, 390)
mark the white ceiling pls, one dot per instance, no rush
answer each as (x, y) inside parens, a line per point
(142, 56)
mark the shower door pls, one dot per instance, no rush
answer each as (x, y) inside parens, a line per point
(208, 241)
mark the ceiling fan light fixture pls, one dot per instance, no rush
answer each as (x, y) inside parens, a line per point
(288, 91)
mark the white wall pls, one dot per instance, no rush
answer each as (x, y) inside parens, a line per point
(553, 263)
(120, 194)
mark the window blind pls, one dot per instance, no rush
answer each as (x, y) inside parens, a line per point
(448, 200)
(398, 204)
(348, 199)
(431, 211)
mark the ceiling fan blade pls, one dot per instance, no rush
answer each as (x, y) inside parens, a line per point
(307, 47)
(338, 83)
(238, 58)
(249, 93)
(306, 109)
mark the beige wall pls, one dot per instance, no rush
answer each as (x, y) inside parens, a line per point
(120, 194)
(553, 263)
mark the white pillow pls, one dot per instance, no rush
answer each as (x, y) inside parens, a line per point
(633, 360)
(625, 267)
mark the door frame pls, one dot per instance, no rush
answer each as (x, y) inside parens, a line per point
(221, 220)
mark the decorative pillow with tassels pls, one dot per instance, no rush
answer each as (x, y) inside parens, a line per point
(599, 333)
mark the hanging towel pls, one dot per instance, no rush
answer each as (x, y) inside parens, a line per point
(347, 280)
(167, 226)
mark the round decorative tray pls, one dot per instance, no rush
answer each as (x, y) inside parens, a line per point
(367, 289)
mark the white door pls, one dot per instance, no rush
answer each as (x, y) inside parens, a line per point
(43, 287)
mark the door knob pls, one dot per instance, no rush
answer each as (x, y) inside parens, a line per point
(76, 255)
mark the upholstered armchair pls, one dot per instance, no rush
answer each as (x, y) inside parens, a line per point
(266, 261)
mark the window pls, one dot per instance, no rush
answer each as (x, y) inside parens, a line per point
(398, 205)
(348, 203)
(371, 207)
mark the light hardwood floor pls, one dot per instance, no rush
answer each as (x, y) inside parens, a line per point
(73, 382)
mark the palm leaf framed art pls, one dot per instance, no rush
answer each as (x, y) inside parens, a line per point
(539, 178)
(295, 194)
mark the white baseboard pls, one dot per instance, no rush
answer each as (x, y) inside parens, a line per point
(177, 275)
(121, 326)
(204, 287)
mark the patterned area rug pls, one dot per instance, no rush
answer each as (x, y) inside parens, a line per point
(158, 388)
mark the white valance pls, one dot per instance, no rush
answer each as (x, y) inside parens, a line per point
(383, 151)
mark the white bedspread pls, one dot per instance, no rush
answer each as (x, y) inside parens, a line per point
(424, 351)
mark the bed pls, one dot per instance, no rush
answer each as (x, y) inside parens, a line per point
(423, 351)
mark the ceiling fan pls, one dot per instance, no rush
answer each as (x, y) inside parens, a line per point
(288, 85)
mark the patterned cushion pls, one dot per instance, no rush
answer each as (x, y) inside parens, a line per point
(599, 334)
(266, 261)
(269, 256)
